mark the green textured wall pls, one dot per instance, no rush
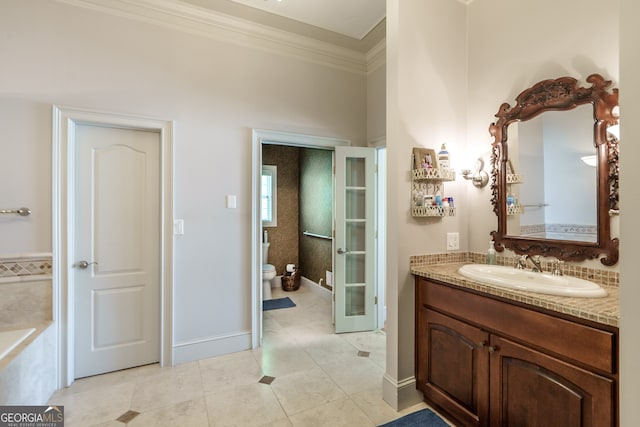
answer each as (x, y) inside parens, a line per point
(316, 199)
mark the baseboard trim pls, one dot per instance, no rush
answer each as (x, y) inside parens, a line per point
(315, 288)
(189, 351)
(400, 394)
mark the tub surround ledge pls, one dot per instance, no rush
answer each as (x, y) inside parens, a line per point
(28, 373)
(13, 354)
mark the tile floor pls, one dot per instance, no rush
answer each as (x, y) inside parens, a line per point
(304, 375)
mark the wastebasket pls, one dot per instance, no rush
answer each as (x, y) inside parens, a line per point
(292, 282)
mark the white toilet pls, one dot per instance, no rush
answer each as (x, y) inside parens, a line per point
(268, 273)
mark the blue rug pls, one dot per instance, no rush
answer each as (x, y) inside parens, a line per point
(274, 304)
(423, 418)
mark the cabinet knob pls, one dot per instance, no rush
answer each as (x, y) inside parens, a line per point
(482, 344)
(493, 348)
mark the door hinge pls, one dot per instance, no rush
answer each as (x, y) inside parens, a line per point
(375, 300)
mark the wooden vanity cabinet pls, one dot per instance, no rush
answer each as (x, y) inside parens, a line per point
(485, 361)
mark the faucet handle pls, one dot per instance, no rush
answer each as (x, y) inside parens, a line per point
(520, 262)
(556, 267)
(535, 260)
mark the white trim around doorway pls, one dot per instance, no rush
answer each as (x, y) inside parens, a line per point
(259, 137)
(64, 121)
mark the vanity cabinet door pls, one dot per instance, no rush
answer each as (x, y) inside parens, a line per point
(452, 366)
(529, 388)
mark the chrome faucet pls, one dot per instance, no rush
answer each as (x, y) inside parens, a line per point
(521, 262)
(535, 260)
(556, 267)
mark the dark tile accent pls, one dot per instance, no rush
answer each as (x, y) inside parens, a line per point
(266, 380)
(127, 416)
(363, 353)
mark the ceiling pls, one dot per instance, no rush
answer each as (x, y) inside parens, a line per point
(353, 24)
(352, 18)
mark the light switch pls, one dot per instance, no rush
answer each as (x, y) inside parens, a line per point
(178, 227)
(231, 201)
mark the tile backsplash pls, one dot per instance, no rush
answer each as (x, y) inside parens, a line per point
(19, 266)
(25, 289)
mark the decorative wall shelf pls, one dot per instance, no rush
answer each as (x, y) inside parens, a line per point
(431, 211)
(428, 182)
(514, 178)
(433, 174)
(515, 209)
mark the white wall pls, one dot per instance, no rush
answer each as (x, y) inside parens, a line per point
(569, 188)
(426, 106)
(54, 53)
(630, 206)
(376, 104)
(449, 68)
(25, 169)
(513, 45)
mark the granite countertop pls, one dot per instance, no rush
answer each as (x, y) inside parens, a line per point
(604, 310)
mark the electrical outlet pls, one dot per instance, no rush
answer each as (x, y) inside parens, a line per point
(453, 241)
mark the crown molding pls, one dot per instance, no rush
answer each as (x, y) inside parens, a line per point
(377, 56)
(192, 19)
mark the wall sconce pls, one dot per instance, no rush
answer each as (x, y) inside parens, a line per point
(480, 178)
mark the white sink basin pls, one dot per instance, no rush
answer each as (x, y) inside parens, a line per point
(525, 280)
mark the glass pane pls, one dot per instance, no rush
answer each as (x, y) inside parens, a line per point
(269, 196)
(355, 236)
(266, 208)
(266, 197)
(354, 268)
(355, 172)
(354, 301)
(355, 204)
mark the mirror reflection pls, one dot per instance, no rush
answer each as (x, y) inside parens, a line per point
(548, 201)
(557, 197)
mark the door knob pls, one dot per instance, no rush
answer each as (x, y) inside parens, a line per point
(342, 251)
(84, 264)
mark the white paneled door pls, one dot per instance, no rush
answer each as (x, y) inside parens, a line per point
(354, 266)
(116, 246)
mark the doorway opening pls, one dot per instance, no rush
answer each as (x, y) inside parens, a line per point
(297, 217)
(288, 141)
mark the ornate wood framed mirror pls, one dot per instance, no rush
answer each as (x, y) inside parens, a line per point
(560, 206)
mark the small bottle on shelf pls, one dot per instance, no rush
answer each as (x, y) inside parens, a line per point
(443, 158)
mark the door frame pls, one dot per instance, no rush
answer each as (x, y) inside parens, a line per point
(64, 122)
(259, 137)
(381, 236)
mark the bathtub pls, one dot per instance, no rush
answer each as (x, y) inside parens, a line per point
(28, 366)
(11, 339)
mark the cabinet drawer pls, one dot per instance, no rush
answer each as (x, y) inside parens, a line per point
(570, 340)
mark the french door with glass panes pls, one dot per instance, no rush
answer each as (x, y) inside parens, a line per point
(354, 244)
